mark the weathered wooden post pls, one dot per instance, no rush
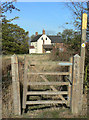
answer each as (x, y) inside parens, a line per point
(70, 78)
(83, 40)
(25, 82)
(75, 85)
(15, 85)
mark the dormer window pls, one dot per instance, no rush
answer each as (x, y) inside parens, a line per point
(42, 38)
(46, 38)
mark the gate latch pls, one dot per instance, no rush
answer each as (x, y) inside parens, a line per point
(69, 80)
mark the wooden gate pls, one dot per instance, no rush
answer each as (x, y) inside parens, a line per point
(59, 93)
(72, 82)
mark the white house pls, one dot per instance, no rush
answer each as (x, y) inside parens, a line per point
(43, 43)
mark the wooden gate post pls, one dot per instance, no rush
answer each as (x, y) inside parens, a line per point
(83, 42)
(75, 85)
(25, 82)
(70, 77)
(15, 85)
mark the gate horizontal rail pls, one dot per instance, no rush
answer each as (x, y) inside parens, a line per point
(46, 102)
(33, 63)
(49, 73)
(47, 93)
(48, 83)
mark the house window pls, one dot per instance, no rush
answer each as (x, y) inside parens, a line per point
(46, 38)
(42, 38)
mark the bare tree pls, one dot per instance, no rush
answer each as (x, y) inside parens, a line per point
(77, 9)
(7, 6)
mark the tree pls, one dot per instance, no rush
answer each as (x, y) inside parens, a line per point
(75, 42)
(14, 39)
(32, 36)
(77, 9)
(4, 7)
(72, 40)
(59, 34)
(7, 6)
(67, 35)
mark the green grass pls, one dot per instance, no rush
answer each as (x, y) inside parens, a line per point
(51, 113)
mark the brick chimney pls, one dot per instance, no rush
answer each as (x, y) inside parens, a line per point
(36, 33)
(43, 31)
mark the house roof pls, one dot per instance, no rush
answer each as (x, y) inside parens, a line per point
(36, 38)
(53, 38)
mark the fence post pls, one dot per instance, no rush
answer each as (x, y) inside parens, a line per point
(75, 85)
(70, 77)
(83, 42)
(15, 85)
(25, 82)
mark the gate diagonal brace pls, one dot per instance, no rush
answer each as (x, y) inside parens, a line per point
(52, 87)
(69, 80)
